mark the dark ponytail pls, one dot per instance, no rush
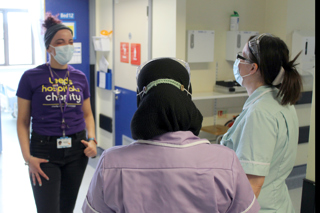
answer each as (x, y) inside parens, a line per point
(274, 54)
(291, 87)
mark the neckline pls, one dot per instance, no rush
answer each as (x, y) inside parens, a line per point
(157, 143)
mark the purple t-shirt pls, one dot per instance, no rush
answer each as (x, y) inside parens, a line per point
(36, 85)
(174, 172)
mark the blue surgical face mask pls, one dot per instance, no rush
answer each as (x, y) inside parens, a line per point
(63, 53)
(236, 71)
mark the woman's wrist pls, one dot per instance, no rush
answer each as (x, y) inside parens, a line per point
(93, 139)
(28, 161)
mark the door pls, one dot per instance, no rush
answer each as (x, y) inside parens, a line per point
(131, 33)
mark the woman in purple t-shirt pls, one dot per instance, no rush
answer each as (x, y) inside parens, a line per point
(55, 97)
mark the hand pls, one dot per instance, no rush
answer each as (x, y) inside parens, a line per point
(91, 148)
(35, 170)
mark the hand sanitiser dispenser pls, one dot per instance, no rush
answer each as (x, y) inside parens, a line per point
(303, 40)
(236, 41)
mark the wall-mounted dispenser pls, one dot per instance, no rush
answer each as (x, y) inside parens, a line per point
(303, 40)
(236, 41)
(200, 45)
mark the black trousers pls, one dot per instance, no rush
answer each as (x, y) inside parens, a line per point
(65, 171)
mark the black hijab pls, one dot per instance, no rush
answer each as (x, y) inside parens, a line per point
(165, 108)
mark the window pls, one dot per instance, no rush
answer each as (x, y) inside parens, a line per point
(1, 40)
(16, 40)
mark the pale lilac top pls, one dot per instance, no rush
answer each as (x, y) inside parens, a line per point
(174, 172)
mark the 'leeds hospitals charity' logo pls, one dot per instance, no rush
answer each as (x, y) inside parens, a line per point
(61, 87)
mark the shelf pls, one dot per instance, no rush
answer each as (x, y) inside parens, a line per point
(216, 95)
(215, 129)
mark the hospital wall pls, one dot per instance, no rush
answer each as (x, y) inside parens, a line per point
(279, 17)
(104, 98)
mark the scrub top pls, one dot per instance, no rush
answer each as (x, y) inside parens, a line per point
(174, 172)
(265, 139)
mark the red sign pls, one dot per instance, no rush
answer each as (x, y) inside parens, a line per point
(124, 52)
(135, 53)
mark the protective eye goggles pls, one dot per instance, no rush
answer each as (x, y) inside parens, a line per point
(240, 56)
(254, 45)
(163, 81)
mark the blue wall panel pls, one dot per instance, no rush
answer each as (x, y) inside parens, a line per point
(80, 9)
(126, 106)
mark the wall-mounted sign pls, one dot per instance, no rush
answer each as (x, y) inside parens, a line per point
(72, 26)
(66, 15)
(124, 52)
(135, 54)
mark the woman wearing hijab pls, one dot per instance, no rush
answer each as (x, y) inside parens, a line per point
(168, 168)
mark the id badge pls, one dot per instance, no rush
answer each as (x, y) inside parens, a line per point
(64, 142)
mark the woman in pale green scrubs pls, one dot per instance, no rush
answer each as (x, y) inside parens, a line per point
(265, 134)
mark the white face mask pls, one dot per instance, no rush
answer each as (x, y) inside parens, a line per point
(236, 71)
(63, 53)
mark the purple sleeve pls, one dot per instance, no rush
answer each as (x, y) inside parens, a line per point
(86, 90)
(94, 201)
(24, 88)
(244, 199)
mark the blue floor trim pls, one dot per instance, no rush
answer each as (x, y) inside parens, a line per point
(295, 179)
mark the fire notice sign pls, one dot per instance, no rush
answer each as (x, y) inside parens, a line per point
(135, 54)
(124, 52)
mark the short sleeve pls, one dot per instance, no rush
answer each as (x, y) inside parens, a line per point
(244, 199)
(94, 201)
(24, 88)
(257, 142)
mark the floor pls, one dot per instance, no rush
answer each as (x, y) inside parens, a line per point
(15, 189)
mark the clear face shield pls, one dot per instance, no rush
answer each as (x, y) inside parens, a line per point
(254, 45)
(146, 88)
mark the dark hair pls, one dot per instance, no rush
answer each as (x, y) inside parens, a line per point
(52, 25)
(50, 20)
(274, 53)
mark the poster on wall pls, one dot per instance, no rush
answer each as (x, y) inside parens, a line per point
(72, 26)
(77, 55)
(135, 53)
(124, 52)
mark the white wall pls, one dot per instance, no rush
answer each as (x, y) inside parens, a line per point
(279, 17)
(104, 98)
(170, 22)
(311, 167)
(164, 23)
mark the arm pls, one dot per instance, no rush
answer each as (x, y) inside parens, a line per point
(243, 198)
(23, 127)
(256, 183)
(91, 149)
(23, 130)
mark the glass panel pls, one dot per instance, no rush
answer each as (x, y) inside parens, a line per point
(1, 40)
(14, 4)
(19, 38)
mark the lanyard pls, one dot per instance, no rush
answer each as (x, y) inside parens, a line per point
(63, 109)
(246, 107)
